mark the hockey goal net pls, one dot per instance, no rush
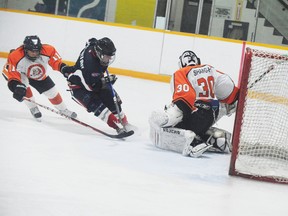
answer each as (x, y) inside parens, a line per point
(260, 137)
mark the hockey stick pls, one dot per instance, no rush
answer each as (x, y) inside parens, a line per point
(117, 136)
(270, 68)
(116, 102)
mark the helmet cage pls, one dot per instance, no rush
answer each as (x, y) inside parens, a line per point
(105, 60)
(32, 43)
(188, 58)
(105, 51)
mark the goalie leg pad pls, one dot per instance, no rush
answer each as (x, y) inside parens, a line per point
(219, 139)
(172, 139)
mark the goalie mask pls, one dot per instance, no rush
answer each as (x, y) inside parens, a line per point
(32, 47)
(105, 51)
(188, 58)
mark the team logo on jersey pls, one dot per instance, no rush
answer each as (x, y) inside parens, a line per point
(36, 72)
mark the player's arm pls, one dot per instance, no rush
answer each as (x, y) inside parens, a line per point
(182, 102)
(227, 93)
(225, 89)
(14, 80)
(55, 60)
(184, 94)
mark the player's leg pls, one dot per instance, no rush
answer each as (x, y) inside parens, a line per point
(34, 110)
(92, 103)
(174, 139)
(48, 88)
(32, 106)
(106, 97)
(199, 122)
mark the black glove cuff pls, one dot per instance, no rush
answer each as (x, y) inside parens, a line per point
(12, 85)
(66, 70)
(19, 92)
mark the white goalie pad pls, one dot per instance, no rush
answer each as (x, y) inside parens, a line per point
(179, 140)
(219, 139)
(172, 139)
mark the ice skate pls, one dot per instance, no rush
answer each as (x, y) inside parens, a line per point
(35, 112)
(126, 125)
(69, 113)
(120, 130)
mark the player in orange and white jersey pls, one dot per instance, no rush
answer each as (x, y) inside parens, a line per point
(199, 93)
(27, 66)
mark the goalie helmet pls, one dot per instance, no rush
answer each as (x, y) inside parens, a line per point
(105, 51)
(32, 43)
(188, 58)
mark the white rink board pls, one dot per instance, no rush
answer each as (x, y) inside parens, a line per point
(138, 49)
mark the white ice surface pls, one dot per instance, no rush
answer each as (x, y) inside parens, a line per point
(59, 168)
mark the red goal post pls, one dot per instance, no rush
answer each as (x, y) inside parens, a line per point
(260, 136)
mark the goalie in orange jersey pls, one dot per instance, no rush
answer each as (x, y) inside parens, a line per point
(27, 66)
(201, 96)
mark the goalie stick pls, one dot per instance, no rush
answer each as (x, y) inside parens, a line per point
(117, 136)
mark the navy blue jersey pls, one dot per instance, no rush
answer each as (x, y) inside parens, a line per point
(88, 70)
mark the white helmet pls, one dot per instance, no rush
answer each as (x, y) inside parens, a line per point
(188, 58)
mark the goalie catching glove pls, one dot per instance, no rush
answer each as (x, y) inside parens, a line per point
(169, 117)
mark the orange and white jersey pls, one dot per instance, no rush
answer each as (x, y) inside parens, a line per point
(202, 82)
(18, 67)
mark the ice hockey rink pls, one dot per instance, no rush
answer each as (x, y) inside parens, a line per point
(59, 168)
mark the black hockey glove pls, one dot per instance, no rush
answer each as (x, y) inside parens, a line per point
(92, 41)
(66, 70)
(108, 79)
(19, 92)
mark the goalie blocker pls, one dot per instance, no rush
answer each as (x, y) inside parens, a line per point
(179, 140)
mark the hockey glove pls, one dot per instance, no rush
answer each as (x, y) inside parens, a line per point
(66, 70)
(231, 108)
(108, 79)
(92, 41)
(19, 92)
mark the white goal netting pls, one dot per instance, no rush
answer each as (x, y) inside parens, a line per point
(263, 138)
